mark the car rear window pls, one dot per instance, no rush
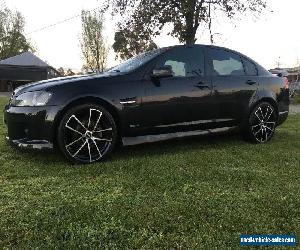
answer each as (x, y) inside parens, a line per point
(226, 63)
(250, 68)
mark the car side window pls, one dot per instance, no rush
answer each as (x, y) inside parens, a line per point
(250, 68)
(226, 63)
(179, 67)
(185, 62)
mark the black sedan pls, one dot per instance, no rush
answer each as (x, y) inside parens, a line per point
(169, 92)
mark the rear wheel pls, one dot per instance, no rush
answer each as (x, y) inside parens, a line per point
(87, 133)
(262, 123)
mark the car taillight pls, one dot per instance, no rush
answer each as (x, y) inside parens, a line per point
(286, 82)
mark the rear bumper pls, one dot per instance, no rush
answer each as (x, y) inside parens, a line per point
(282, 116)
(31, 127)
(283, 106)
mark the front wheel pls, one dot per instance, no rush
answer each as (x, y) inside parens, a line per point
(87, 133)
(262, 123)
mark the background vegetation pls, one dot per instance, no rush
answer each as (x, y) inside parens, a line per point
(93, 44)
(12, 37)
(143, 20)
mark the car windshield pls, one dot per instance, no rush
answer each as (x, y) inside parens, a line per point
(135, 62)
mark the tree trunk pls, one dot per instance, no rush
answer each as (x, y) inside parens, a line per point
(191, 28)
(190, 36)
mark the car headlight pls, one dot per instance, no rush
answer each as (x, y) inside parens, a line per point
(36, 98)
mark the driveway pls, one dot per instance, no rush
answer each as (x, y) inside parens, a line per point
(295, 109)
(5, 94)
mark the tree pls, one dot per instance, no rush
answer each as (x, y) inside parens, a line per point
(129, 43)
(12, 38)
(145, 19)
(93, 44)
(61, 71)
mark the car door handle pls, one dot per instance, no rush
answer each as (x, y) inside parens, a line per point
(201, 85)
(130, 100)
(250, 82)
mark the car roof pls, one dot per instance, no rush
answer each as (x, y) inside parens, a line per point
(208, 46)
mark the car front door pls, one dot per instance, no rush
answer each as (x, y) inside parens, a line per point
(234, 81)
(183, 100)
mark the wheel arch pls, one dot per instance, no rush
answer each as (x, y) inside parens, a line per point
(83, 100)
(265, 99)
(254, 103)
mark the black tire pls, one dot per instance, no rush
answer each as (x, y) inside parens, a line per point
(87, 133)
(261, 123)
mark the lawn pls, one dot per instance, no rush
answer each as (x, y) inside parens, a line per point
(198, 193)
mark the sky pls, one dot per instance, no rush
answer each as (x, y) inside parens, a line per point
(269, 39)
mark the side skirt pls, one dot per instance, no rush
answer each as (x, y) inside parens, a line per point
(128, 141)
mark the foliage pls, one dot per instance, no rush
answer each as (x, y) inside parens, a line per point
(65, 72)
(61, 71)
(93, 45)
(143, 19)
(194, 193)
(12, 38)
(129, 43)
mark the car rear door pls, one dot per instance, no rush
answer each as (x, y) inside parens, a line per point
(234, 80)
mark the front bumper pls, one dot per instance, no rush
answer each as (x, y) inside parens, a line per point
(31, 127)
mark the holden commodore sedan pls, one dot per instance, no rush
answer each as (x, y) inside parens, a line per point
(165, 93)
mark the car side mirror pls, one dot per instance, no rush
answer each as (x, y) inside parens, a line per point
(165, 71)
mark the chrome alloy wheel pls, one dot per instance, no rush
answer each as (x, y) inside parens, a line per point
(263, 122)
(88, 134)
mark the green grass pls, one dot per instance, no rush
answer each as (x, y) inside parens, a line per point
(198, 193)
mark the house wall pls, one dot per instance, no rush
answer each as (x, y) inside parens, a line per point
(9, 86)
(3, 86)
(14, 76)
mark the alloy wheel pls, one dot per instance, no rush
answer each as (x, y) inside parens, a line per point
(88, 134)
(263, 123)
